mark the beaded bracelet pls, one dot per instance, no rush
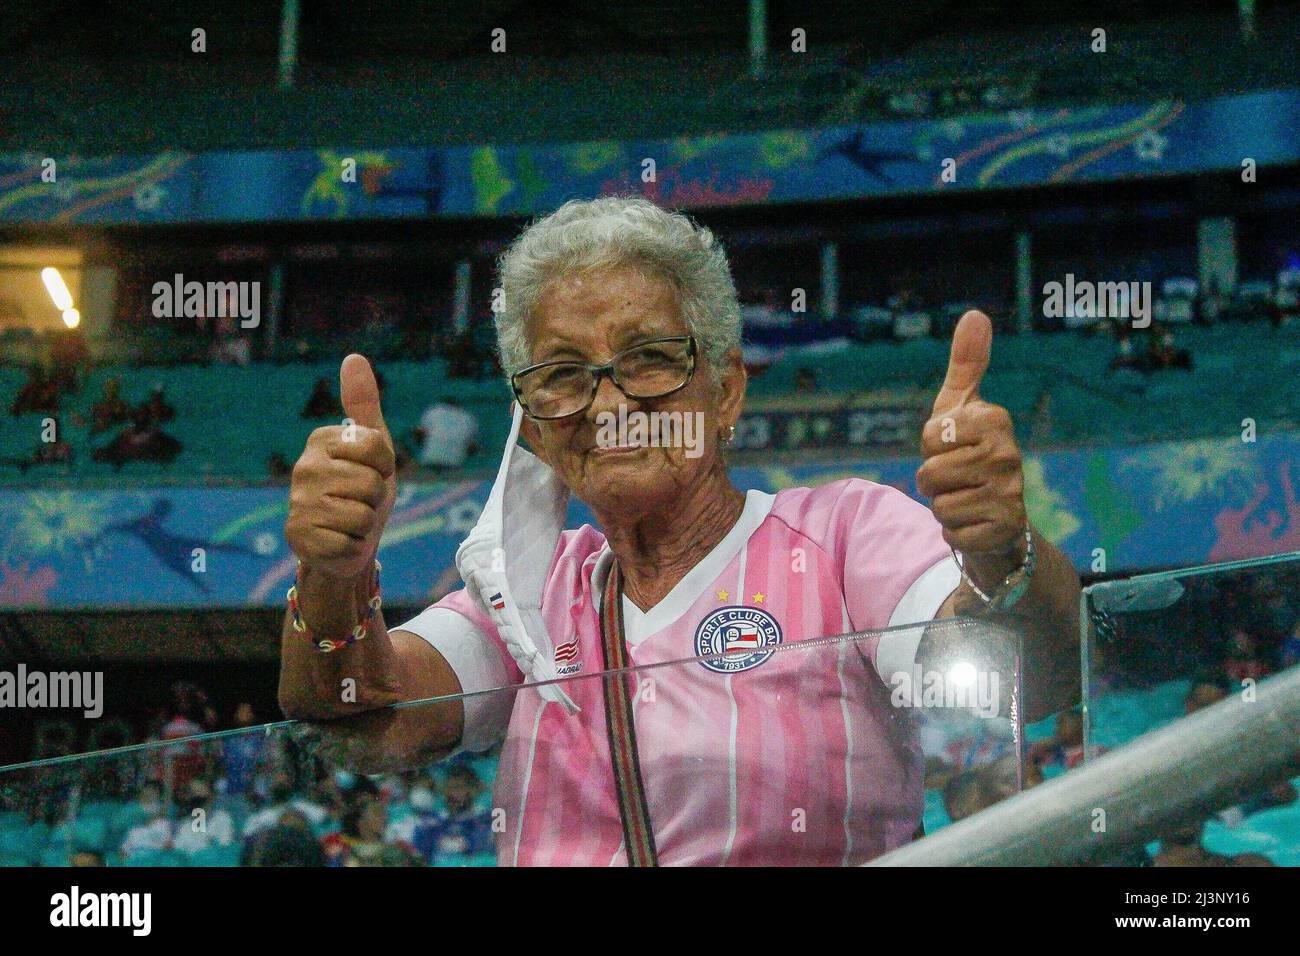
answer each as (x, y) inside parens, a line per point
(360, 630)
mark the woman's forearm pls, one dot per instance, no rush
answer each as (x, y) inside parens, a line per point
(362, 676)
(1048, 619)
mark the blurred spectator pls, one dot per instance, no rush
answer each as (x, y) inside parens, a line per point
(1041, 426)
(1064, 750)
(422, 800)
(111, 409)
(143, 440)
(69, 359)
(39, 393)
(1182, 847)
(154, 832)
(240, 753)
(361, 841)
(284, 799)
(961, 795)
(232, 346)
(911, 318)
(904, 299)
(463, 829)
(322, 403)
(201, 825)
(156, 409)
(449, 434)
(290, 842)
(805, 381)
(1125, 354)
(971, 791)
(277, 466)
(1164, 354)
(1202, 694)
(1280, 794)
(1243, 661)
(1210, 303)
(190, 714)
(57, 452)
(471, 353)
(768, 313)
(1289, 653)
(1161, 353)
(80, 858)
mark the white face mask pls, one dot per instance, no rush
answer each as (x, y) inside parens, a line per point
(505, 559)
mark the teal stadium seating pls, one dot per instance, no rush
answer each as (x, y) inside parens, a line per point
(231, 419)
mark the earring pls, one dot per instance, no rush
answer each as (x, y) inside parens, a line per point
(731, 434)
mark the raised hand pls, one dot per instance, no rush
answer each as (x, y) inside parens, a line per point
(344, 483)
(972, 471)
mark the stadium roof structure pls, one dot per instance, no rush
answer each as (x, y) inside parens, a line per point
(119, 77)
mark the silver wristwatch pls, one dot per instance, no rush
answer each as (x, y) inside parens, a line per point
(1013, 587)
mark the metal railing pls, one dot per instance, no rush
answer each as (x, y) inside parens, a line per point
(1162, 781)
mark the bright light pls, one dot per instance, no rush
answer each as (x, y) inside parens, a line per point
(71, 318)
(962, 674)
(58, 290)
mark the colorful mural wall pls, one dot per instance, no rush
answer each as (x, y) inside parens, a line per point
(1164, 505)
(1012, 149)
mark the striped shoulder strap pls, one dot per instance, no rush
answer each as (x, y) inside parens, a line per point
(638, 837)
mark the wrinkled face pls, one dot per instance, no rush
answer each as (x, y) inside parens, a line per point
(589, 318)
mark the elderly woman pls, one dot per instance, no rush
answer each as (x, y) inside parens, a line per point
(615, 310)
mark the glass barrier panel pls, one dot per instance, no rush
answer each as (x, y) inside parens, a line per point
(825, 752)
(1161, 646)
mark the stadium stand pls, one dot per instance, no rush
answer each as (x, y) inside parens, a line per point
(692, 85)
(224, 439)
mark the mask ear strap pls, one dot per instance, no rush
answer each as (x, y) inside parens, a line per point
(484, 556)
(503, 470)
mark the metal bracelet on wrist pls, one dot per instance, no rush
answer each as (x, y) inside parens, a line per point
(1013, 586)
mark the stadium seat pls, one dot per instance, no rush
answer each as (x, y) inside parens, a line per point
(935, 816)
(88, 829)
(1177, 302)
(216, 856)
(25, 842)
(158, 858)
(55, 855)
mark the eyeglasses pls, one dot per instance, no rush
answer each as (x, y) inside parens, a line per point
(651, 369)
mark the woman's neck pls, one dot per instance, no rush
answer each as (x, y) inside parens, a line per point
(658, 549)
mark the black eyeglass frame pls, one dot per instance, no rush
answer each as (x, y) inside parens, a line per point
(597, 372)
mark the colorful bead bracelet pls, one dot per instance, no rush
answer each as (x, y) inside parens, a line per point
(360, 630)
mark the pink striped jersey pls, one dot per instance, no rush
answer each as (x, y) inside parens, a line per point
(757, 758)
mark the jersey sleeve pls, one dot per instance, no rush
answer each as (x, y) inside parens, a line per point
(893, 556)
(897, 569)
(468, 640)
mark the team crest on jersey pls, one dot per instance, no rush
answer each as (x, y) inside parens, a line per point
(739, 637)
(566, 658)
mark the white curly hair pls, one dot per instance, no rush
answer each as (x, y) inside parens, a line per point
(610, 232)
